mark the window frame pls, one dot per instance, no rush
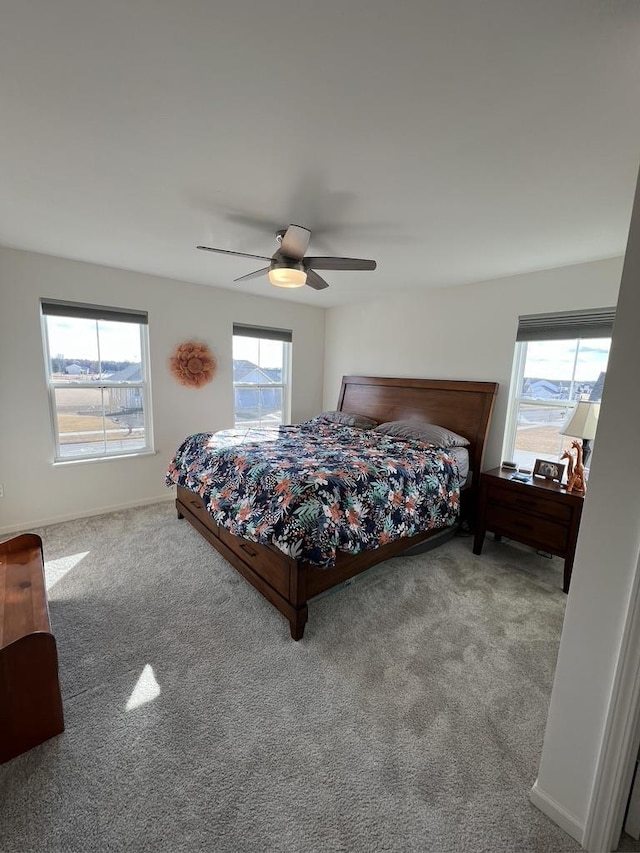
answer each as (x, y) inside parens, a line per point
(52, 386)
(516, 398)
(268, 334)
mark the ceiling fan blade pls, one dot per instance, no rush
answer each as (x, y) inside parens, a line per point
(295, 242)
(238, 254)
(314, 281)
(339, 264)
(251, 275)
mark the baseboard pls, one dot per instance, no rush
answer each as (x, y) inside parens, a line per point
(557, 813)
(57, 519)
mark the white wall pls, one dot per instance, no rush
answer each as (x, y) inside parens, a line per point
(605, 567)
(38, 492)
(465, 332)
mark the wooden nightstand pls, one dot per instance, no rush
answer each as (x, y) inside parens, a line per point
(539, 513)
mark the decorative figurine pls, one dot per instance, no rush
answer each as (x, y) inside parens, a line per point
(576, 481)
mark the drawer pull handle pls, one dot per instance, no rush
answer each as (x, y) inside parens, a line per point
(526, 504)
(522, 525)
(248, 549)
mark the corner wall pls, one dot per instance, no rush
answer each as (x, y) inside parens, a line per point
(465, 332)
(37, 492)
(584, 700)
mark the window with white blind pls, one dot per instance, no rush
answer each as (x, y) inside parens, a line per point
(97, 366)
(261, 376)
(560, 359)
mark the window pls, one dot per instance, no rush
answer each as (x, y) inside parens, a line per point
(559, 360)
(97, 372)
(261, 376)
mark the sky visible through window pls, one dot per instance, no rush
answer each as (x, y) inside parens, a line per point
(74, 338)
(555, 359)
(264, 353)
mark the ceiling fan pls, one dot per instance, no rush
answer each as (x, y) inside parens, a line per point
(289, 267)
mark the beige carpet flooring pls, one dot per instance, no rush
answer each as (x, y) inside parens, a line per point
(410, 718)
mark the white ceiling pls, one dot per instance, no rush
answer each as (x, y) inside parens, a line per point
(451, 140)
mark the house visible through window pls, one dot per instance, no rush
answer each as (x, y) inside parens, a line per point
(560, 359)
(97, 371)
(261, 376)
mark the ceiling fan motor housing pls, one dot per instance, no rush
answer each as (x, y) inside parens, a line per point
(280, 262)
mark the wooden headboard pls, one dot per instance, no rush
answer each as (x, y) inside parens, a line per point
(464, 407)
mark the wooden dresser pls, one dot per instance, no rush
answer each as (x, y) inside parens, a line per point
(538, 513)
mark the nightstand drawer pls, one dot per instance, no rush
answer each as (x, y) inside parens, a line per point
(525, 501)
(542, 534)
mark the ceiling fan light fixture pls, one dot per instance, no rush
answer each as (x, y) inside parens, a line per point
(288, 275)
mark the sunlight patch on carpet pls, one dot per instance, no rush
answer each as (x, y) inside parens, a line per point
(146, 690)
(55, 570)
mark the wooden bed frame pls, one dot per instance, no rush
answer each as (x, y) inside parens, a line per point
(464, 407)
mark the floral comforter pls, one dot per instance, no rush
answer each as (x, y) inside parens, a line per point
(317, 488)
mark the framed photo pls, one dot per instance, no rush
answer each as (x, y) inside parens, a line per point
(549, 470)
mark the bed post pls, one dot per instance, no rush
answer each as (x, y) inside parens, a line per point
(298, 598)
(298, 622)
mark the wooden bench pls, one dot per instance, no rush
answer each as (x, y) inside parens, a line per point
(30, 701)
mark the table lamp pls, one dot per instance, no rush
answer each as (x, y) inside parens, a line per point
(583, 423)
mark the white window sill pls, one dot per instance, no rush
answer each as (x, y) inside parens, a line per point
(62, 463)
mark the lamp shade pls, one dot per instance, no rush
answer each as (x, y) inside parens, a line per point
(582, 421)
(287, 274)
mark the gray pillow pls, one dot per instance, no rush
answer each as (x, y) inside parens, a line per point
(429, 433)
(348, 419)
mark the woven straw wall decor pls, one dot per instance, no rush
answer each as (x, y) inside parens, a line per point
(193, 364)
